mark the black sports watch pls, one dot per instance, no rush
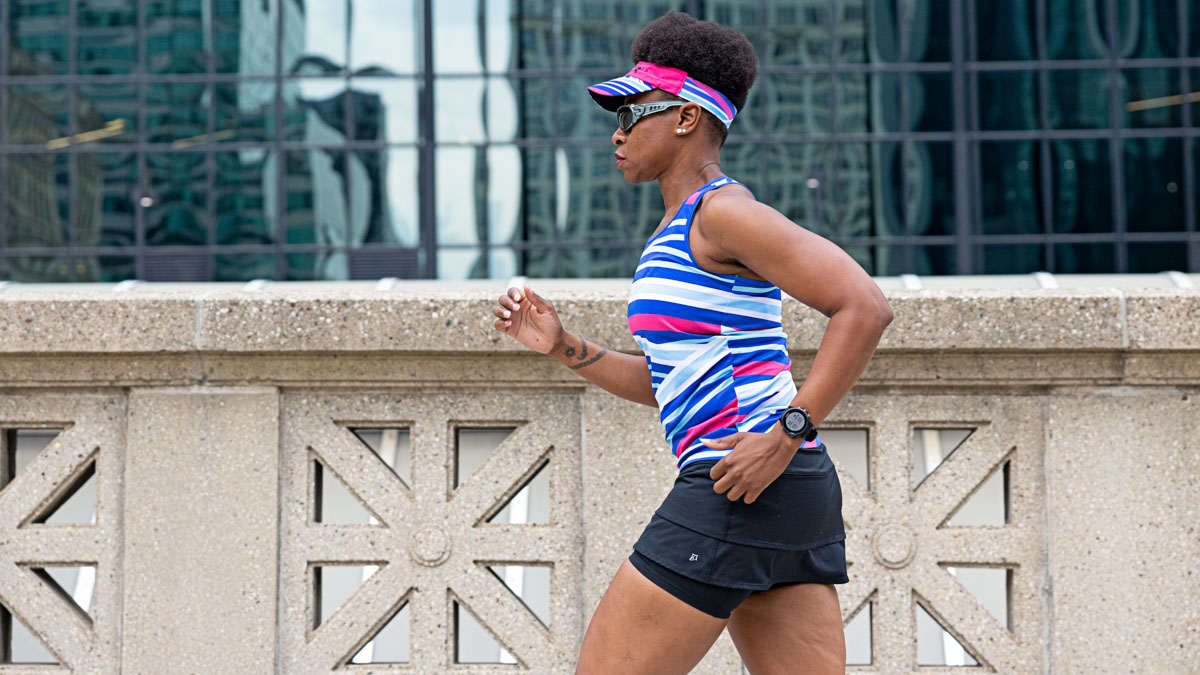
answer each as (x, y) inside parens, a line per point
(797, 423)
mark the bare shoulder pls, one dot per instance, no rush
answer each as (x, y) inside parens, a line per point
(732, 212)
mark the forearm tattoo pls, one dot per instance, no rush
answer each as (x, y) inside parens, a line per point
(583, 355)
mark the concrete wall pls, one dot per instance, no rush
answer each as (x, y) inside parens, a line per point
(210, 414)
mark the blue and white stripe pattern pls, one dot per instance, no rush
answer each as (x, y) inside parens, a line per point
(714, 343)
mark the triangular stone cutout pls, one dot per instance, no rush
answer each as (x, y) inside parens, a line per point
(473, 446)
(21, 446)
(936, 646)
(24, 646)
(332, 586)
(76, 505)
(932, 447)
(391, 643)
(988, 505)
(473, 642)
(859, 647)
(529, 505)
(75, 584)
(530, 584)
(334, 503)
(991, 586)
(392, 446)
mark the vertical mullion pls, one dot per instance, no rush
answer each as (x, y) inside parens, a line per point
(484, 173)
(4, 159)
(1116, 148)
(1044, 153)
(764, 150)
(210, 160)
(425, 147)
(556, 47)
(831, 181)
(350, 134)
(1189, 165)
(72, 128)
(139, 211)
(966, 172)
(277, 138)
(900, 25)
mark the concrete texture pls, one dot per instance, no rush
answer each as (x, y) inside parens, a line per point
(205, 408)
(201, 524)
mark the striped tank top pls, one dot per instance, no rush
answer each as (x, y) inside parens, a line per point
(714, 343)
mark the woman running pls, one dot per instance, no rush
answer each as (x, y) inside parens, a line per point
(750, 538)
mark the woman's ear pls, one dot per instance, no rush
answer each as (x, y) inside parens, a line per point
(688, 118)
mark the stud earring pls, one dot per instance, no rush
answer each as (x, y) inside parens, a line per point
(679, 131)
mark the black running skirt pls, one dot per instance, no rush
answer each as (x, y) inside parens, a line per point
(793, 532)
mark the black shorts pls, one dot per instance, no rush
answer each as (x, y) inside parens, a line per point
(712, 553)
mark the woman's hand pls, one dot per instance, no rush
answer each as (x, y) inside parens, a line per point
(528, 319)
(754, 463)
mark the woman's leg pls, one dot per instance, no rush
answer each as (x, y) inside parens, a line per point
(640, 628)
(790, 629)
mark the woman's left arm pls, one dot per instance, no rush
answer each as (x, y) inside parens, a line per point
(735, 230)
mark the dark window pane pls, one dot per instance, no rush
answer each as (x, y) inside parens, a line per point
(930, 102)
(1006, 31)
(598, 262)
(1077, 29)
(884, 112)
(535, 116)
(934, 260)
(1008, 100)
(383, 37)
(314, 110)
(535, 26)
(854, 32)
(176, 210)
(1009, 187)
(1146, 102)
(244, 112)
(315, 196)
(177, 111)
(882, 33)
(1082, 184)
(744, 163)
(1078, 99)
(800, 183)
(114, 268)
(1150, 257)
(799, 33)
(1154, 184)
(928, 36)
(39, 269)
(801, 104)
(1013, 258)
(594, 198)
(244, 182)
(107, 38)
(930, 185)
(591, 36)
(384, 109)
(115, 178)
(751, 117)
(37, 113)
(108, 113)
(578, 114)
(243, 34)
(1157, 29)
(742, 16)
(535, 216)
(458, 110)
(858, 206)
(175, 37)
(1084, 259)
(1193, 32)
(889, 197)
(37, 34)
(320, 36)
(854, 95)
(244, 266)
(37, 200)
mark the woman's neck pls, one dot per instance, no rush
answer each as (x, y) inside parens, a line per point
(685, 177)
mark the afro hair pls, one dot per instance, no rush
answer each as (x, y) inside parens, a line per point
(716, 55)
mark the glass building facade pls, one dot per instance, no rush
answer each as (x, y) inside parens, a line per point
(195, 140)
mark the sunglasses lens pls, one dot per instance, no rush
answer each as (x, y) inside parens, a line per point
(625, 119)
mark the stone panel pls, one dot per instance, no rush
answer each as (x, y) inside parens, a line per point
(201, 528)
(93, 434)
(430, 515)
(1123, 475)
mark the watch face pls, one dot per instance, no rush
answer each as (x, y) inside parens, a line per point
(794, 421)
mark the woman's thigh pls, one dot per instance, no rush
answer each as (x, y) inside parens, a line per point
(788, 625)
(640, 628)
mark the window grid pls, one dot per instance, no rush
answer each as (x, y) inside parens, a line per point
(965, 138)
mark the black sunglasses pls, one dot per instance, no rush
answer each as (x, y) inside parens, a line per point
(630, 113)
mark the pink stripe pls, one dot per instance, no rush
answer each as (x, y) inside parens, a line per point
(647, 321)
(811, 444)
(759, 368)
(693, 198)
(727, 417)
(716, 97)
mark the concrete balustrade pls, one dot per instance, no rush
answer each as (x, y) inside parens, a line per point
(205, 410)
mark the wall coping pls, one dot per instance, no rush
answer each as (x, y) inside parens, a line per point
(455, 317)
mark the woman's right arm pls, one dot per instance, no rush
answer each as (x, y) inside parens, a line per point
(531, 320)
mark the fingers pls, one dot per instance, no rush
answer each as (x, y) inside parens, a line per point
(535, 299)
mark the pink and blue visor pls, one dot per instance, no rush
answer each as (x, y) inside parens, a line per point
(646, 76)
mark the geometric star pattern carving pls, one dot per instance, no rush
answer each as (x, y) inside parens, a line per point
(92, 433)
(898, 543)
(433, 543)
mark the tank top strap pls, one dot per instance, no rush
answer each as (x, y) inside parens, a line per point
(693, 200)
